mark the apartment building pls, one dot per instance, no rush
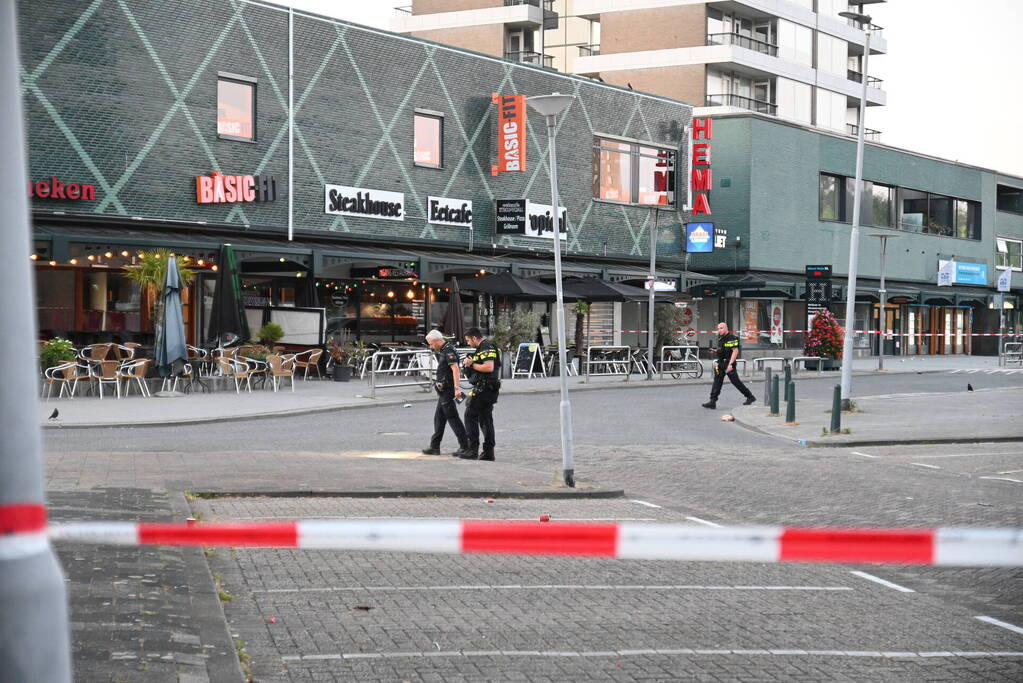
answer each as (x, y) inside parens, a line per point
(794, 59)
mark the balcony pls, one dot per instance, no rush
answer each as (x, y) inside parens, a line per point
(534, 58)
(403, 11)
(741, 102)
(858, 77)
(742, 41)
(589, 50)
(868, 133)
(875, 30)
(543, 4)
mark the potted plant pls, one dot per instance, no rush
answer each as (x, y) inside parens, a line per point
(149, 272)
(824, 341)
(270, 334)
(341, 352)
(56, 351)
(512, 328)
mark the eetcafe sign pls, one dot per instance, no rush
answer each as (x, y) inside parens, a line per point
(341, 200)
(55, 188)
(447, 211)
(218, 188)
(701, 179)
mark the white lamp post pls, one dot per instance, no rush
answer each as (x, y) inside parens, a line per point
(854, 234)
(882, 295)
(550, 106)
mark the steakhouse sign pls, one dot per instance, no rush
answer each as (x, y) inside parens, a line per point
(511, 133)
(702, 178)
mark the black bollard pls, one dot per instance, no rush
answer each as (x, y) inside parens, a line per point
(767, 386)
(774, 395)
(788, 379)
(790, 407)
(836, 410)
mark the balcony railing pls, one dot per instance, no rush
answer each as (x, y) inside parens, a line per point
(868, 133)
(530, 57)
(872, 82)
(742, 41)
(742, 103)
(403, 11)
(544, 4)
(589, 50)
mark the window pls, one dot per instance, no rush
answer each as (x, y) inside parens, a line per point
(830, 200)
(882, 201)
(1008, 253)
(831, 110)
(794, 100)
(236, 107)
(832, 54)
(914, 210)
(1010, 198)
(937, 214)
(795, 43)
(428, 142)
(633, 173)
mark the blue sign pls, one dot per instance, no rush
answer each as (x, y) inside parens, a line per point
(971, 273)
(699, 237)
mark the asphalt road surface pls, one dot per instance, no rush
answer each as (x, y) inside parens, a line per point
(310, 615)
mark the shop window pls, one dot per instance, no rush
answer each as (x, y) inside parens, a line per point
(1010, 198)
(55, 293)
(236, 107)
(1008, 253)
(882, 197)
(914, 210)
(967, 219)
(428, 142)
(633, 174)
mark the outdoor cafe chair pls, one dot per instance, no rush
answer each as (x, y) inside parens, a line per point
(308, 359)
(134, 370)
(199, 359)
(257, 368)
(124, 352)
(66, 375)
(280, 367)
(105, 372)
(95, 352)
(236, 369)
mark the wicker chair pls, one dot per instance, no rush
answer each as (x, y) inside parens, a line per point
(308, 359)
(135, 370)
(279, 368)
(66, 375)
(106, 372)
(236, 369)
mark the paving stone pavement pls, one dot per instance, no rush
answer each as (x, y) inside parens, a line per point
(317, 615)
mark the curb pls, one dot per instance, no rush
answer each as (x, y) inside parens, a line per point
(907, 442)
(377, 403)
(416, 493)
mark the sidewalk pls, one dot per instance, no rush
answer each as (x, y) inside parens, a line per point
(321, 396)
(985, 415)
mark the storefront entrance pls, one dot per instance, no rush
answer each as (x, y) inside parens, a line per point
(939, 330)
(890, 329)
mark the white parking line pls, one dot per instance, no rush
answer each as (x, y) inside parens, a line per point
(877, 579)
(1017, 481)
(512, 587)
(972, 654)
(920, 464)
(964, 455)
(702, 521)
(643, 502)
(996, 622)
(865, 455)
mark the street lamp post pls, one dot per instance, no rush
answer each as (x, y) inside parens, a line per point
(550, 106)
(882, 295)
(854, 234)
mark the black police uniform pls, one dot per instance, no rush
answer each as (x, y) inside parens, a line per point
(726, 345)
(479, 414)
(446, 413)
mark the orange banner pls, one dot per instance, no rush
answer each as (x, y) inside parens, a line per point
(511, 133)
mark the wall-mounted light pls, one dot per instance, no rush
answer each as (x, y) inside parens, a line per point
(215, 267)
(390, 294)
(200, 262)
(110, 254)
(124, 253)
(53, 263)
(410, 294)
(91, 257)
(74, 262)
(34, 257)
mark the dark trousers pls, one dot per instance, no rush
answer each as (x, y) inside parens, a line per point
(479, 416)
(733, 376)
(447, 413)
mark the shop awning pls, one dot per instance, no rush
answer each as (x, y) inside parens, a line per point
(440, 267)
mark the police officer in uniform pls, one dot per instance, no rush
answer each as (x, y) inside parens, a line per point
(446, 384)
(484, 370)
(728, 351)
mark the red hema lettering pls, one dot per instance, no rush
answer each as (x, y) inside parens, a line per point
(703, 128)
(702, 179)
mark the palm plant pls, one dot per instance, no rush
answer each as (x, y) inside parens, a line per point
(150, 273)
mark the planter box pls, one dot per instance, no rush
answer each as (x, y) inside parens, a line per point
(828, 363)
(342, 373)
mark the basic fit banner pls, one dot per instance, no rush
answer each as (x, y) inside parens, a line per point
(511, 133)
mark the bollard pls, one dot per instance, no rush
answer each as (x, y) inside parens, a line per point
(790, 404)
(774, 395)
(788, 379)
(836, 410)
(767, 386)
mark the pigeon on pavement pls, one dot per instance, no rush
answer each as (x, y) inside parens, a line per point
(54, 414)
(969, 387)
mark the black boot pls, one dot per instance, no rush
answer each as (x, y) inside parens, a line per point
(488, 454)
(750, 400)
(468, 453)
(431, 451)
(710, 404)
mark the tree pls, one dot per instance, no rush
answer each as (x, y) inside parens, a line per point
(150, 273)
(581, 310)
(825, 337)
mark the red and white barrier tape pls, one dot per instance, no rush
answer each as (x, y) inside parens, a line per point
(887, 334)
(22, 530)
(942, 546)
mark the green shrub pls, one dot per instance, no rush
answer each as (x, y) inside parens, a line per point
(55, 352)
(271, 333)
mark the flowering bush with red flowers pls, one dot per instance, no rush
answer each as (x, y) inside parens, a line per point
(825, 338)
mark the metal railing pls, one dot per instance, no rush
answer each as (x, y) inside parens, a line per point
(608, 360)
(874, 29)
(547, 5)
(589, 50)
(872, 82)
(680, 360)
(537, 58)
(868, 133)
(742, 102)
(742, 41)
(418, 364)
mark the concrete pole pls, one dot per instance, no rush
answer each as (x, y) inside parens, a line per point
(854, 243)
(650, 299)
(34, 633)
(567, 458)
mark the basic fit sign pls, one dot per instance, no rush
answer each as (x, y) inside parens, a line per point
(702, 178)
(217, 188)
(511, 133)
